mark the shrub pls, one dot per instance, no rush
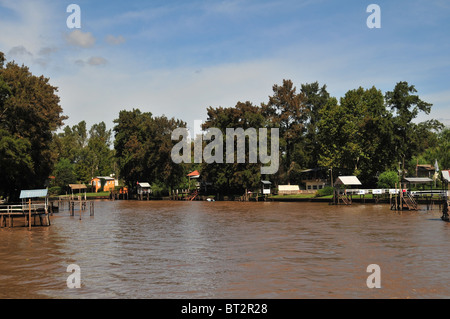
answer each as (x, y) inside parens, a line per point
(55, 190)
(326, 191)
(387, 179)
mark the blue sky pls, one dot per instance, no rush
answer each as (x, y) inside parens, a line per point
(178, 57)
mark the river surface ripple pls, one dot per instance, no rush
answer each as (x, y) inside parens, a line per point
(175, 249)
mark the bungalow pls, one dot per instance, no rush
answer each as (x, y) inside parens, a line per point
(109, 183)
(314, 179)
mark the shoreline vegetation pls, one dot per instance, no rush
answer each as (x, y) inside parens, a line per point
(372, 135)
(368, 198)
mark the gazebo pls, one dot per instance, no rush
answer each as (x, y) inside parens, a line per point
(344, 180)
(78, 187)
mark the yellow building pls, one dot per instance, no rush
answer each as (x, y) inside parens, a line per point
(110, 183)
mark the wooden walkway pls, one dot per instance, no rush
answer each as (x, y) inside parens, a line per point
(26, 212)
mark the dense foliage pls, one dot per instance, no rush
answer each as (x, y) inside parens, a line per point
(366, 133)
(29, 114)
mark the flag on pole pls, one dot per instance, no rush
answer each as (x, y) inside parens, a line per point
(436, 166)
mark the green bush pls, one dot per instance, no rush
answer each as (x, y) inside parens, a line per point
(55, 190)
(326, 191)
(387, 179)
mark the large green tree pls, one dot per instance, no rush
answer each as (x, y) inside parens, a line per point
(316, 98)
(143, 148)
(287, 110)
(90, 152)
(368, 133)
(408, 135)
(235, 178)
(29, 114)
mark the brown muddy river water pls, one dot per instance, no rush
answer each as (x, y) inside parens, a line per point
(163, 249)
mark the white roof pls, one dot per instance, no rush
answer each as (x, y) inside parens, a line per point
(446, 175)
(34, 193)
(288, 187)
(417, 180)
(347, 180)
(144, 184)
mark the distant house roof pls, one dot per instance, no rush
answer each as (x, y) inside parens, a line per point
(266, 182)
(347, 180)
(427, 167)
(446, 175)
(144, 185)
(194, 174)
(417, 180)
(35, 193)
(77, 186)
(109, 178)
(316, 169)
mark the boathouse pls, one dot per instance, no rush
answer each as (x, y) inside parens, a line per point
(343, 195)
(144, 189)
(265, 187)
(34, 203)
(414, 181)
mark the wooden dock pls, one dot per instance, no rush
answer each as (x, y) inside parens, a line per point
(26, 212)
(80, 203)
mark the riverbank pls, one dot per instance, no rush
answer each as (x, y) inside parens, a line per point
(312, 198)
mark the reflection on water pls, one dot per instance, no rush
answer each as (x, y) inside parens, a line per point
(162, 249)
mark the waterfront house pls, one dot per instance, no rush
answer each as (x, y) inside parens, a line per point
(314, 179)
(109, 183)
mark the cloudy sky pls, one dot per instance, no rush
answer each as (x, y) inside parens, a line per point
(177, 57)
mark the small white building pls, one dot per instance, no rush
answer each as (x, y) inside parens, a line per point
(265, 189)
(144, 188)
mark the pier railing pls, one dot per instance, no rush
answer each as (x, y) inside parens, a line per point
(27, 211)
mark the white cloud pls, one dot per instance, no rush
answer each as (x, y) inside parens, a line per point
(81, 39)
(19, 50)
(92, 61)
(30, 24)
(97, 60)
(115, 40)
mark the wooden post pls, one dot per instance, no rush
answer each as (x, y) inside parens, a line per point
(29, 214)
(48, 220)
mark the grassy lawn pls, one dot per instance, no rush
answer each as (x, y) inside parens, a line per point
(293, 196)
(90, 195)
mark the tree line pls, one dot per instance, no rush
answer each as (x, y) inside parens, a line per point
(364, 133)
